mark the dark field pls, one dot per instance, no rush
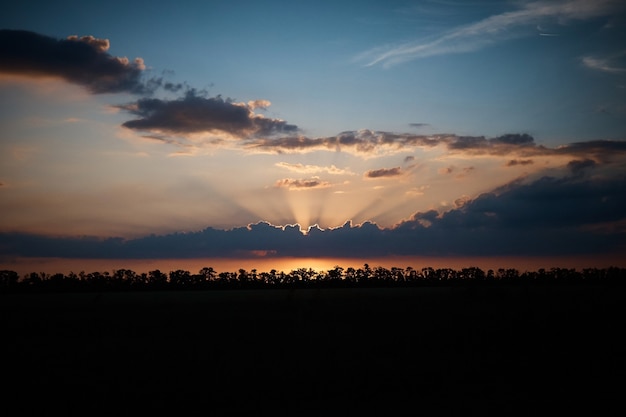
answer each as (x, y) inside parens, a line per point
(465, 350)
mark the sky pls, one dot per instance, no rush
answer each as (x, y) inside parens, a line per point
(356, 129)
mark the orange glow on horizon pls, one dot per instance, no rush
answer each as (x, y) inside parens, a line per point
(287, 264)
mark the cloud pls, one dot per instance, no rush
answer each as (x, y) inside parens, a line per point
(491, 30)
(259, 104)
(449, 170)
(499, 145)
(376, 143)
(313, 169)
(195, 113)
(548, 216)
(362, 142)
(578, 166)
(603, 64)
(514, 162)
(417, 191)
(78, 60)
(601, 150)
(301, 184)
(384, 173)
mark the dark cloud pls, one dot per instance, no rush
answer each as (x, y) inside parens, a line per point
(372, 142)
(578, 166)
(363, 141)
(301, 184)
(514, 139)
(79, 60)
(514, 162)
(419, 125)
(155, 83)
(468, 142)
(368, 142)
(195, 113)
(500, 145)
(383, 173)
(602, 150)
(548, 216)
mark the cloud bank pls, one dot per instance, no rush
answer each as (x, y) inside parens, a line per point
(580, 213)
(369, 143)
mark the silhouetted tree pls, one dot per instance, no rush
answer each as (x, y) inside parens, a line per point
(126, 279)
(8, 280)
(180, 278)
(397, 274)
(243, 276)
(157, 279)
(335, 274)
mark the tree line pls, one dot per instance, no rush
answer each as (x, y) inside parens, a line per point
(208, 278)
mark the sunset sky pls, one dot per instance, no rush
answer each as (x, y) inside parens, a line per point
(353, 129)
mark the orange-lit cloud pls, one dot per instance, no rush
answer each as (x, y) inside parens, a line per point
(313, 169)
(302, 184)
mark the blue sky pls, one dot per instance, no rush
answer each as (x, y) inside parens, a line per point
(304, 58)
(221, 115)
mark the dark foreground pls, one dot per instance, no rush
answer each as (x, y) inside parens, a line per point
(526, 350)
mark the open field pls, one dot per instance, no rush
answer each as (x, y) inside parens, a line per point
(527, 350)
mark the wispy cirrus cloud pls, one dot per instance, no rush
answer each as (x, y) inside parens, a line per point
(491, 30)
(609, 65)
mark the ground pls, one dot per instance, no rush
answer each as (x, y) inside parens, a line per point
(509, 350)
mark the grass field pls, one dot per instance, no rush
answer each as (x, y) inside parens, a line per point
(533, 350)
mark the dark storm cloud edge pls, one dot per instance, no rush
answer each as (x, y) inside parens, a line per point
(577, 214)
